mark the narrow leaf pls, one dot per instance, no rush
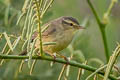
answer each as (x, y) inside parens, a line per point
(8, 41)
(17, 41)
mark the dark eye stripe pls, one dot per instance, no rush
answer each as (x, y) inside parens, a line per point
(71, 24)
(64, 22)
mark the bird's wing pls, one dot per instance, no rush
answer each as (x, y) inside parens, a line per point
(49, 31)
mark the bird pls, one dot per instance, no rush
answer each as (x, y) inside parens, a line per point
(61, 31)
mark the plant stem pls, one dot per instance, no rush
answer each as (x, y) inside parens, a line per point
(94, 12)
(102, 30)
(105, 44)
(39, 27)
(72, 63)
(107, 13)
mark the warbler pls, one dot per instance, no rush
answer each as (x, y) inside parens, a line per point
(61, 31)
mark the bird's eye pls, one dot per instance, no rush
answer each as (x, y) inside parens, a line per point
(71, 24)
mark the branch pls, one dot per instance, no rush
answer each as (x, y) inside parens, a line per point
(72, 63)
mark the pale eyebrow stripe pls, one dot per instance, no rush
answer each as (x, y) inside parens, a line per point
(72, 19)
(68, 22)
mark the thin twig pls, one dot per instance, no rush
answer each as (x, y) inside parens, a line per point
(21, 66)
(107, 13)
(99, 69)
(2, 61)
(62, 71)
(24, 10)
(51, 1)
(79, 73)
(26, 20)
(32, 67)
(39, 26)
(95, 77)
(112, 62)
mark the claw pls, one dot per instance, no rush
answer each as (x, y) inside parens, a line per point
(65, 58)
(54, 57)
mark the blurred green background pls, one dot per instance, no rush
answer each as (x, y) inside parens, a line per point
(88, 41)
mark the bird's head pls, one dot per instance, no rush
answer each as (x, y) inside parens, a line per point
(71, 23)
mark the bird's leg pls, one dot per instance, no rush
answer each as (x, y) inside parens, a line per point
(65, 58)
(54, 57)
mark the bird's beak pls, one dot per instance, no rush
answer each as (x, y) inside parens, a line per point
(79, 27)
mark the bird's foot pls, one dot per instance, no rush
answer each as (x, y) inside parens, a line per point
(65, 58)
(54, 57)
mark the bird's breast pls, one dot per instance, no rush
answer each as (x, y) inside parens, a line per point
(64, 39)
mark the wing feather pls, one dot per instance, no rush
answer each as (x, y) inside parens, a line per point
(48, 32)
